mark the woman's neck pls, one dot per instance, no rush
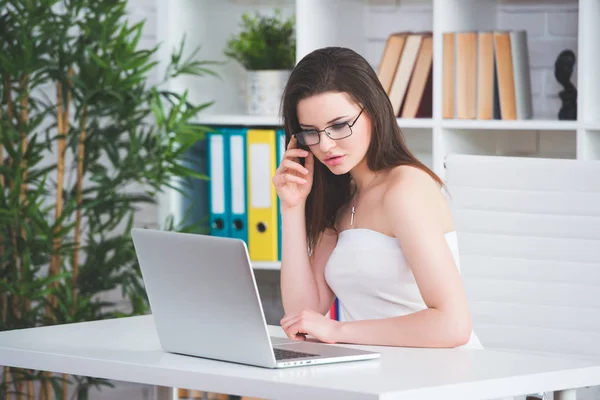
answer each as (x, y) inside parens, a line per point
(363, 177)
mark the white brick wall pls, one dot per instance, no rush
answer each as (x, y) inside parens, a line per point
(551, 27)
(382, 20)
(146, 10)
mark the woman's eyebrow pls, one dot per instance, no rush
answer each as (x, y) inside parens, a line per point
(329, 122)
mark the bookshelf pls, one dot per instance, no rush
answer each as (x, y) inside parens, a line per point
(363, 25)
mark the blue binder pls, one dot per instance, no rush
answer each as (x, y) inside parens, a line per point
(238, 186)
(218, 172)
(280, 151)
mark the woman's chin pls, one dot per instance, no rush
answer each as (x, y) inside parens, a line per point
(339, 169)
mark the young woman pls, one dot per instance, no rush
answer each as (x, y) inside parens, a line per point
(362, 219)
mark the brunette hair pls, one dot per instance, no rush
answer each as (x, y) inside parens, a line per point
(339, 69)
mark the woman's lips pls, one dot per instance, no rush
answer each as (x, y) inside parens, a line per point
(336, 160)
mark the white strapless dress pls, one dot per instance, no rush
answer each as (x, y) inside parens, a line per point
(369, 274)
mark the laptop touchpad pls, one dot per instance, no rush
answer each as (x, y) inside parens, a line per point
(280, 340)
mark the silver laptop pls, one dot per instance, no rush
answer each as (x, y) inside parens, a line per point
(205, 303)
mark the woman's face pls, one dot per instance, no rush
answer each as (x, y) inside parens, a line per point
(334, 111)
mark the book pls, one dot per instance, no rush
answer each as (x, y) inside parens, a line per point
(405, 70)
(390, 58)
(419, 102)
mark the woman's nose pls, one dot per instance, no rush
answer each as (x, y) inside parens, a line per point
(326, 143)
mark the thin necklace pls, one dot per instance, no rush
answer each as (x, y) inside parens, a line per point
(353, 211)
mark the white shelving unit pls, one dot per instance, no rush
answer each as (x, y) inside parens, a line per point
(267, 265)
(364, 24)
(572, 139)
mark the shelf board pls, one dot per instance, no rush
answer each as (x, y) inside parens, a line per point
(266, 265)
(239, 120)
(416, 123)
(529, 124)
(274, 120)
(592, 126)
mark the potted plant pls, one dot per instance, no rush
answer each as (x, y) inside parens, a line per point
(266, 48)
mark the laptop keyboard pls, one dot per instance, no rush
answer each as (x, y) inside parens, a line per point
(281, 354)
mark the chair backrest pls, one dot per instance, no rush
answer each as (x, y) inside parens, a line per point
(529, 238)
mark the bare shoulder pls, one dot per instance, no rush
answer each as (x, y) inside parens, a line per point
(411, 181)
(412, 193)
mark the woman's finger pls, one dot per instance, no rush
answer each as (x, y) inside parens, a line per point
(309, 163)
(288, 317)
(297, 331)
(286, 323)
(278, 180)
(289, 335)
(293, 143)
(294, 179)
(289, 164)
(291, 330)
(294, 153)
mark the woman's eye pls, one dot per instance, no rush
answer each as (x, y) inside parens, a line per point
(339, 126)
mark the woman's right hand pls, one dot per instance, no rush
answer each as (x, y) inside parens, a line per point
(292, 181)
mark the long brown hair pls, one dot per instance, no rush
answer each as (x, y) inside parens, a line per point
(339, 69)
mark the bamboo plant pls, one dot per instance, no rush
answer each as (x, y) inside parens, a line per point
(86, 137)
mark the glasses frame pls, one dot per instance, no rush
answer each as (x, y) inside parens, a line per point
(350, 125)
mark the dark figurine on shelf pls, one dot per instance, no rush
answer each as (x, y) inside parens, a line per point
(563, 69)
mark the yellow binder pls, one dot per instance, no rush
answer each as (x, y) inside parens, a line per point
(262, 198)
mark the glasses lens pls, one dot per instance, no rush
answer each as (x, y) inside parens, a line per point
(308, 138)
(339, 131)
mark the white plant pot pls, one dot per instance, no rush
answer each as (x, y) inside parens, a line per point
(264, 89)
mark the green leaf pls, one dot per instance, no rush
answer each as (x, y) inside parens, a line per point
(99, 61)
(183, 171)
(157, 108)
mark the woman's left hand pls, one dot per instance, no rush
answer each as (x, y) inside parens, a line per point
(307, 322)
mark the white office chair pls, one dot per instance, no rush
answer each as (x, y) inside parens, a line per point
(529, 238)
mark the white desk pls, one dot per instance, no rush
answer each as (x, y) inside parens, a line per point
(128, 349)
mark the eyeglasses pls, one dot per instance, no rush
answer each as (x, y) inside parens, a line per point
(338, 131)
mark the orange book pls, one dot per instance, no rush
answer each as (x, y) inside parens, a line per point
(390, 58)
(506, 79)
(405, 70)
(417, 89)
(485, 76)
(448, 75)
(466, 75)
